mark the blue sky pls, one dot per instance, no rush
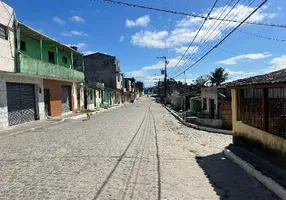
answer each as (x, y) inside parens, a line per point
(137, 36)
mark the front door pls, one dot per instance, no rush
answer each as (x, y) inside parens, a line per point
(66, 96)
(47, 102)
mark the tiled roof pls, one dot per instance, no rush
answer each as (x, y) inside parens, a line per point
(270, 78)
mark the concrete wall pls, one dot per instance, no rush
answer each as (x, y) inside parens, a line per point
(101, 68)
(253, 134)
(39, 95)
(56, 95)
(209, 93)
(7, 47)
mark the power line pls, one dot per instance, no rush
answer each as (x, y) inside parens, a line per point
(217, 27)
(224, 37)
(195, 36)
(263, 37)
(241, 11)
(189, 14)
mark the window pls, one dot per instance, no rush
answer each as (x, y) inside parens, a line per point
(65, 60)
(23, 45)
(204, 103)
(118, 78)
(3, 32)
(51, 57)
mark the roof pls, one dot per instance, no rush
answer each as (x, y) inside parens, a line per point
(270, 78)
(101, 54)
(37, 35)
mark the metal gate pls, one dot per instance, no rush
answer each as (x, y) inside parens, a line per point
(21, 103)
(66, 99)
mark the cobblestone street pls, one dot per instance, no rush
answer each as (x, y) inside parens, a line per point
(137, 151)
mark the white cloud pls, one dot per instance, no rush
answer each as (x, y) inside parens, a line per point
(75, 33)
(141, 21)
(89, 52)
(186, 29)
(59, 21)
(251, 56)
(77, 19)
(277, 63)
(150, 39)
(160, 64)
(121, 38)
(182, 50)
(233, 75)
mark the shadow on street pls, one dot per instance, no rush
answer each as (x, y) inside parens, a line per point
(230, 181)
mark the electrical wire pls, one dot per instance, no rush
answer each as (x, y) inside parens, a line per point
(242, 10)
(217, 27)
(229, 23)
(195, 35)
(263, 37)
(189, 14)
(219, 15)
(221, 41)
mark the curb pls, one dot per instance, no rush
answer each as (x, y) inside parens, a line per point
(203, 128)
(265, 180)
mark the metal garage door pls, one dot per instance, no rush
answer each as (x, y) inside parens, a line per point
(66, 99)
(21, 103)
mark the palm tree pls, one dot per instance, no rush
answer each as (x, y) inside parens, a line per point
(218, 76)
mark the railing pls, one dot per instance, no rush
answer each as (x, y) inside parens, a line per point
(28, 65)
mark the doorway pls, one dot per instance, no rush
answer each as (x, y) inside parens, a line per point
(47, 102)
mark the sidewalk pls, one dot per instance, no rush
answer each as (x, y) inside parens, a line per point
(21, 128)
(269, 175)
(199, 127)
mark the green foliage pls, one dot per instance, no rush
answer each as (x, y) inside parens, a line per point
(218, 76)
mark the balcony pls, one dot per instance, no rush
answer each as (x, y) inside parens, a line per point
(28, 65)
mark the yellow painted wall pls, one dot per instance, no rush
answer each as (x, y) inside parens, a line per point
(240, 129)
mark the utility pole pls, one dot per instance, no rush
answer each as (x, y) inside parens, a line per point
(165, 78)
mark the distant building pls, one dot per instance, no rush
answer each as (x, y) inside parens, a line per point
(103, 68)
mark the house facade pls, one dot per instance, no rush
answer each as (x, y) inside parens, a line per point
(216, 107)
(38, 74)
(258, 115)
(93, 95)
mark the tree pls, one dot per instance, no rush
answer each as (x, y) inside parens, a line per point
(218, 76)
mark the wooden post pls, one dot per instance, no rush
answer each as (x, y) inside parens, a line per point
(41, 49)
(57, 55)
(265, 103)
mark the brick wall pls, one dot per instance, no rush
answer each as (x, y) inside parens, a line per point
(56, 95)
